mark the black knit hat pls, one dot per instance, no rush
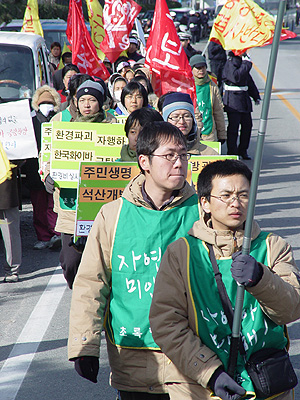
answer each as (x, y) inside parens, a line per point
(92, 88)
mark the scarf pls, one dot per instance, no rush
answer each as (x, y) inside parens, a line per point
(98, 117)
(202, 81)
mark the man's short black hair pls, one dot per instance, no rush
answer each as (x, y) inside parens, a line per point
(155, 134)
(130, 88)
(67, 54)
(55, 44)
(143, 116)
(139, 78)
(221, 169)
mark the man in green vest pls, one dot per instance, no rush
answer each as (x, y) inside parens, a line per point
(115, 281)
(209, 101)
(187, 319)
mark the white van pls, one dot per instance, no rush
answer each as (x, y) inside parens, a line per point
(24, 65)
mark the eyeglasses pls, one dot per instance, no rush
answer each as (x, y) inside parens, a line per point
(131, 98)
(229, 199)
(185, 117)
(173, 157)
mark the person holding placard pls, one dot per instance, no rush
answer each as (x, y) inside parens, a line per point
(120, 263)
(90, 97)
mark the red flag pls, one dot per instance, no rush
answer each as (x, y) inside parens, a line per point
(165, 56)
(119, 16)
(84, 53)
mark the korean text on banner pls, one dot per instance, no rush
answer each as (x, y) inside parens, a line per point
(242, 24)
(165, 56)
(31, 22)
(119, 16)
(16, 130)
(75, 142)
(199, 162)
(99, 184)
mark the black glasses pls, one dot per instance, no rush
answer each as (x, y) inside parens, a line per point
(173, 157)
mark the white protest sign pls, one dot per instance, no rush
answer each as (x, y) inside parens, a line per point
(16, 130)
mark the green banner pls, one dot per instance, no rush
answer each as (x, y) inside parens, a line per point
(99, 184)
(199, 162)
(76, 142)
(214, 145)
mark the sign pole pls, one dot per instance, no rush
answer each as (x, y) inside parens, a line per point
(235, 338)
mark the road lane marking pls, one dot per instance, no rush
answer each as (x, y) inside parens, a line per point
(282, 98)
(18, 362)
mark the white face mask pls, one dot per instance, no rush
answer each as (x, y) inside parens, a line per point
(117, 95)
(46, 108)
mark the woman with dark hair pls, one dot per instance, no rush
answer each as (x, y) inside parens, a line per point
(133, 97)
(67, 71)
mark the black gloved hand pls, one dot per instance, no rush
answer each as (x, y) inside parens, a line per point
(49, 184)
(87, 367)
(224, 386)
(245, 270)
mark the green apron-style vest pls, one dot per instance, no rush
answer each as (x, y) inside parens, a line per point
(141, 238)
(205, 107)
(258, 331)
(66, 115)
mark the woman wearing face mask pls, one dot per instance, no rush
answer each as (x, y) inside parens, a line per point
(46, 103)
(115, 85)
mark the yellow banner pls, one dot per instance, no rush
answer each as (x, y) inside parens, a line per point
(31, 22)
(96, 22)
(242, 24)
(64, 50)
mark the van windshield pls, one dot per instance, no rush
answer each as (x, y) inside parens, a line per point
(16, 72)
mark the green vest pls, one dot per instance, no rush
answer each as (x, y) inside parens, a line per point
(205, 107)
(68, 199)
(257, 329)
(66, 115)
(141, 238)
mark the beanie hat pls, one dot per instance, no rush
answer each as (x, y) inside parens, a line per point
(177, 101)
(92, 88)
(46, 98)
(133, 40)
(122, 65)
(181, 101)
(198, 60)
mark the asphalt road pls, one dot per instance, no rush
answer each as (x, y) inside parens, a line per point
(34, 312)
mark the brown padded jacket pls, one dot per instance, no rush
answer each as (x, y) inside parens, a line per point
(172, 313)
(132, 370)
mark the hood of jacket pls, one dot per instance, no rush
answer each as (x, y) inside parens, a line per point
(133, 193)
(225, 242)
(41, 90)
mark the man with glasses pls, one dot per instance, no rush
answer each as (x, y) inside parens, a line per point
(209, 101)
(120, 262)
(187, 319)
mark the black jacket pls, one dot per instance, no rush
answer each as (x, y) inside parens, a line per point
(236, 72)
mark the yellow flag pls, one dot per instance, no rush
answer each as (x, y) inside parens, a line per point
(242, 24)
(64, 50)
(5, 171)
(31, 22)
(96, 22)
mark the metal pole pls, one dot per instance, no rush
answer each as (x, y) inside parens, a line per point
(235, 338)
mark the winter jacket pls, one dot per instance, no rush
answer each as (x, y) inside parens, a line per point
(218, 129)
(236, 73)
(132, 369)
(172, 316)
(9, 190)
